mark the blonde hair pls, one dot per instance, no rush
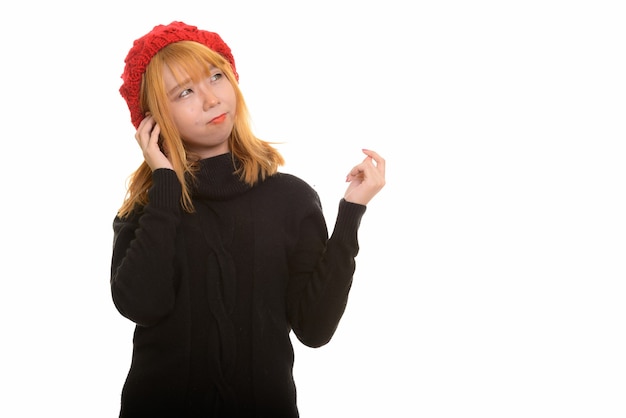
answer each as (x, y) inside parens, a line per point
(258, 158)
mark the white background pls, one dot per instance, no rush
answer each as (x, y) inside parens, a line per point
(490, 281)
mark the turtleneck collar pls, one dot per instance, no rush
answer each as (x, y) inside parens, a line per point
(216, 178)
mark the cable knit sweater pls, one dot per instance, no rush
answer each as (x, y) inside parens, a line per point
(215, 294)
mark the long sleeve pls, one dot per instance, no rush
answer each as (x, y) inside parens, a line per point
(318, 293)
(216, 293)
(142, 267)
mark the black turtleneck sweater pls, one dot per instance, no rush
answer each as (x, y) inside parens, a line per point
(215, 294)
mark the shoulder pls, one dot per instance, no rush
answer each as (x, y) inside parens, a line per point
(292, 184)
(288, 189)
(290, 180)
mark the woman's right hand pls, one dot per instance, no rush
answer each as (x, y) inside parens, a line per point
(147, 137)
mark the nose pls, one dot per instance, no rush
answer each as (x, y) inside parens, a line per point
(209, 99)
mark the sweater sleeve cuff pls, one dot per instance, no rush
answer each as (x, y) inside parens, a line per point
(348, 220)
(166, 189)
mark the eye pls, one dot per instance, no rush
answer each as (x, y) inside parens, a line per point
(185, 93)
(216, 76)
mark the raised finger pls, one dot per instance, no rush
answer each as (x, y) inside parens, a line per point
(380, 161)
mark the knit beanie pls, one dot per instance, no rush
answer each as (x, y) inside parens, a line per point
(148, 45)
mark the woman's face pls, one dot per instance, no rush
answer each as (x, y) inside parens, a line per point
(203, 112)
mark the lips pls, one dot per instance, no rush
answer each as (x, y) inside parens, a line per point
(218, 119)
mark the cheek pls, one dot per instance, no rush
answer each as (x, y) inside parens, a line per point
(233, 103)
(185, 117)
(191, 115)
(229, 96)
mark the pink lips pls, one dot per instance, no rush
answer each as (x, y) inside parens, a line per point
(218, 119)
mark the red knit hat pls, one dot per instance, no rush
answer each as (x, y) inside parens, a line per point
(148, 45)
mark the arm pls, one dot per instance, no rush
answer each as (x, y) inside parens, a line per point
(142, 265)
(317, 299)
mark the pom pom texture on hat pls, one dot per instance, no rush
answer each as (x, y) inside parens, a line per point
(148, 45)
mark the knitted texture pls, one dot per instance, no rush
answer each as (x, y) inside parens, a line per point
(148, 45)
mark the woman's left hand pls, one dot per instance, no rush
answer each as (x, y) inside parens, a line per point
(366, 179)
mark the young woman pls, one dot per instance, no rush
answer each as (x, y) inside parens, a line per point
(218, 256)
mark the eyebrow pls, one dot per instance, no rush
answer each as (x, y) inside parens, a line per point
(173, 90)
(188, 80)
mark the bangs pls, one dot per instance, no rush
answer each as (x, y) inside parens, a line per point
(191, 60)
